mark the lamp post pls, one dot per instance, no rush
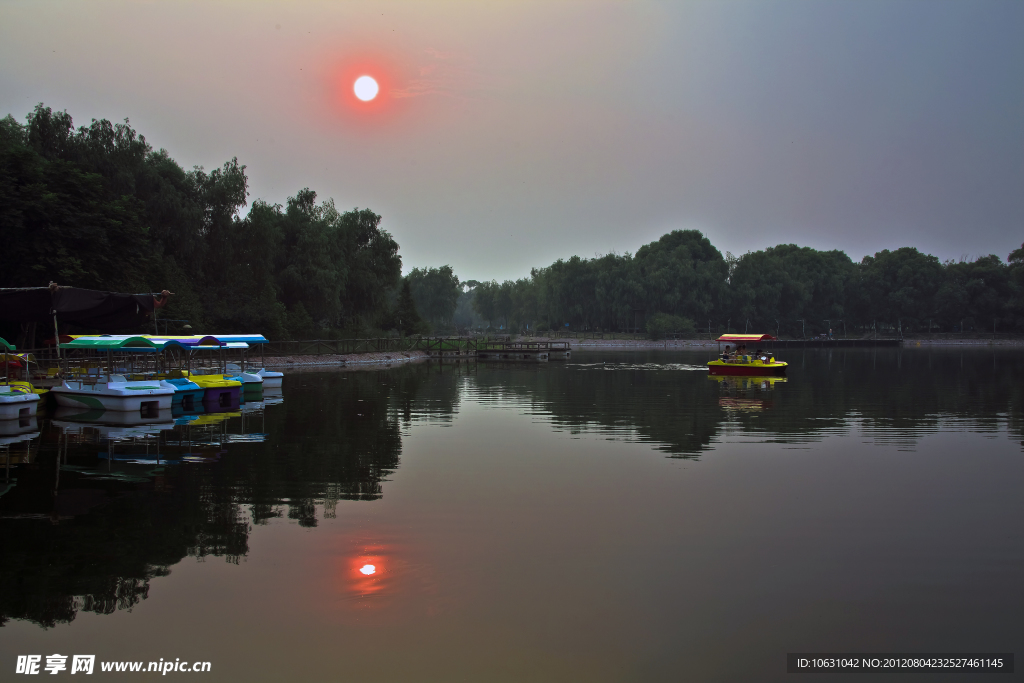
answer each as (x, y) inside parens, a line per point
(803, 328)
(829, 321)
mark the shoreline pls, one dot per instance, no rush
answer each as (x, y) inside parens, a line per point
(366, 360)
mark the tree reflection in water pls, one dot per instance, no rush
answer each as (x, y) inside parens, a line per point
(90, 534)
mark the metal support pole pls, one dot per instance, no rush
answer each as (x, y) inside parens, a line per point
(56, 336)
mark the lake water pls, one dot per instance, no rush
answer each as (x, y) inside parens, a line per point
(617, 517)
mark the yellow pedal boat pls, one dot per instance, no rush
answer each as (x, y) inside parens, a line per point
(761, 364)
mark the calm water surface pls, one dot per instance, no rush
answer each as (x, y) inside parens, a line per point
(621, 517)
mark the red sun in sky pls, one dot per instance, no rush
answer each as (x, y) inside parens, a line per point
(366, 88)
(363, 85)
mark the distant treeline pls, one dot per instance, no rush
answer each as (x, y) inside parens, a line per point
(682, 284)
(97, 207)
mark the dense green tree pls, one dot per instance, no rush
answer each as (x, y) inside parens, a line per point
(97, 207)
(406, 318)
(1016, 267)
(683, 275)
(898, 288)
(436, 292)
(976, 294)
(791, 289)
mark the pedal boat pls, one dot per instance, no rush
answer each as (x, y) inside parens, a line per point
(17, 402)
(187, 394)
(115, 394)
(763, 365)
(259, 379)
(271, 379)
(219, 392)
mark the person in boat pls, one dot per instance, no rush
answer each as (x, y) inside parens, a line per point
(725, 354)
(760, 355)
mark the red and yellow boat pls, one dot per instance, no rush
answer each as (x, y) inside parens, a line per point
(740, 361)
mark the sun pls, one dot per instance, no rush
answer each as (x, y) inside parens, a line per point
(366, 88)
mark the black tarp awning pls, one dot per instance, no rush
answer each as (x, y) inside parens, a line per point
(90, 308)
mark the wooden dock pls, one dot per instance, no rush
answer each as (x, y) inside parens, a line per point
(532, 352)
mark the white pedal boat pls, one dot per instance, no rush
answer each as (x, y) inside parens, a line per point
(117, 394)
(271, 379)
(17, 404)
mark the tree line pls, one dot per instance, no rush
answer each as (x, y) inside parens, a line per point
(682, 284)
(97, 207)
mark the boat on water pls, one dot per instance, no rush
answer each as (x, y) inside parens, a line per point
(115, 394)
(738, 361)
(251, 381)
(219, 392)
(16, 403)
(271, 379)
(187, 394)
(92, 386)
(18, 400)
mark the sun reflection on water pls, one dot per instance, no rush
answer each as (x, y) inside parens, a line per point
(368, 572)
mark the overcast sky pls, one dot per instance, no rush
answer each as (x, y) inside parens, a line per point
(507, 135)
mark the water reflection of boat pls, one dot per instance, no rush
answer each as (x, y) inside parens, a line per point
(206, 419)
(100, 418)
(744, 404)
(272, 396)
(743, 386)
(749, 382)
(739, 362)
(14, 431)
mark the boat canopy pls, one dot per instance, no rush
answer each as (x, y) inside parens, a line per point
(247, 338)
(160, 342)
(188, 339)
(192, 342)
(746, 338)
(111, 344)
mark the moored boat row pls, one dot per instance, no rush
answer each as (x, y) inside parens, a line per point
(139, 373)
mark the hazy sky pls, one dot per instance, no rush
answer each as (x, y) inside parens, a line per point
(507, 135)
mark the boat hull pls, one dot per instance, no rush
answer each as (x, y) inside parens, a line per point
(17, 405)
(187, 394)
(188, 399)
(217, 399)
(118, 396)
(271, 380)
